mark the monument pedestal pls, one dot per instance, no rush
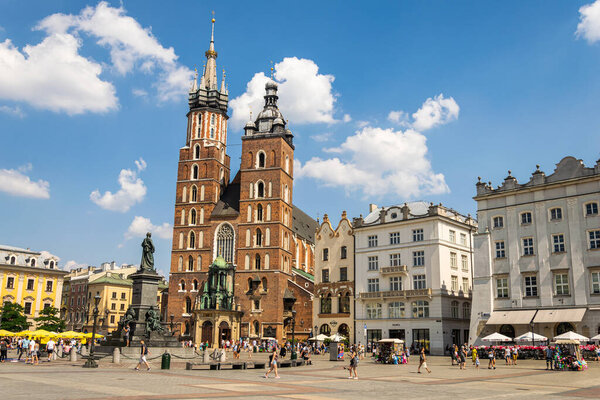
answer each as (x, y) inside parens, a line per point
(143, 298)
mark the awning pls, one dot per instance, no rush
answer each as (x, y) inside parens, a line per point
(516, 317)
(560, 315)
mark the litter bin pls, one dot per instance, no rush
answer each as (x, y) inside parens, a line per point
(165, 361)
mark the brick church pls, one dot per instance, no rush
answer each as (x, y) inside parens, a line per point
(250, 221)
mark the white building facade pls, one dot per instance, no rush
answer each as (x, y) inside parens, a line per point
(537, 254)
(413, 275)
(333, 307)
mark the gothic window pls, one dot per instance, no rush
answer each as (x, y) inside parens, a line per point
(222, 155)
(212, 133)
(267, 261)
(268, 212)
(261, 160)
(192, 217)
(270, 191)
(257, 261)
(258, 237)
(251, 159)
(188, 305)
(194, 196)
(200, 239)
(287, 164)
(264, 284)
(192, 241)
(201, 215)
(251, 190)
(259, 213)
(197, 152)
(199, 263)
(184, 194)
(267, 237)
(260, 189)
(285, 193)
(247, 262)
(180, 264)
(247, 237)
(224, 244)
(182, 285)
(182, 217)
(181, 240)
(202, 193)
(212, 120)
(195, 285)
(195, 172)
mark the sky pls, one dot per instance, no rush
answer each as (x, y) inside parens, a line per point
(405, 100)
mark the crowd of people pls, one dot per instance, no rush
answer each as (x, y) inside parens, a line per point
(31, 350)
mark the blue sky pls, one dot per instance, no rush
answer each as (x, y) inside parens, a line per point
(474, 89)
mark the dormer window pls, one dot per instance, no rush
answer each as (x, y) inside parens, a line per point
(555, 214)
(12, 260)
(32, 262)
(51, 264)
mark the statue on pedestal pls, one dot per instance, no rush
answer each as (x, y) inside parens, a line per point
(153, 321)
(147, 263)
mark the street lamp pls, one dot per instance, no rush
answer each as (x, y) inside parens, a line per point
(293, 356)
(91, 363)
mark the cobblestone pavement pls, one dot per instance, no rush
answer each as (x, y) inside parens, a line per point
(323, 380)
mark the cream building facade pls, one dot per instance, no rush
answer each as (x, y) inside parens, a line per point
(333, 307)
(537, 254)
(30, 279)
(413, 275)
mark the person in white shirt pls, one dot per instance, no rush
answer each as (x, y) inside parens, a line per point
(50, 348)
(32, 352)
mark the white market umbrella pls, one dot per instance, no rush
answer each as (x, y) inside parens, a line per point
(337, 338)
(571, 336)
(496, 337)
(526, 337)
(597, 337)
(321, 337)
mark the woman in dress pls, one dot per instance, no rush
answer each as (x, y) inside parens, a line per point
(273, 363)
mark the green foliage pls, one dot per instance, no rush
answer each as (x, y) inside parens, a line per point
(49, 321)
(13, 318)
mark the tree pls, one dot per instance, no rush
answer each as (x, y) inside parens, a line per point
(49, 321)
(13, 318)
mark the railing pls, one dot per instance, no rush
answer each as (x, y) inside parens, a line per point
(396, 293)
(393, 269)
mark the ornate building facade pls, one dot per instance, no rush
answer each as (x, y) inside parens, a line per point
(250, 220)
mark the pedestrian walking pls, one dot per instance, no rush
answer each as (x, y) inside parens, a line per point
(50, 345)
(474, 354)
(423, 361)
(463, 357)
(492, 357)
(273, 363)
(549, 357)
(353, 363)
(35, 353)
(507, 356)
(143, 356)
(515, 355)
(477, 362)
(3, 349)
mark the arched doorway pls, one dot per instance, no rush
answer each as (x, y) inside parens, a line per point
(508, 330)
(344, 330)
(325, 330)
(207, 332)
(224, 332)
(564, 327)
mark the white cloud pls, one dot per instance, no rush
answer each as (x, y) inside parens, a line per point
(362, 124)
(403, 169)
(305, 96)
(72, 264)
(139, 92)
(322, 137)
(15, 182)
(398, 117)
(141, 225)
(347, 118)
(131, 46)
(52, 75)
(132, 191)
(589, 22)
(14, 111)
(435, 112)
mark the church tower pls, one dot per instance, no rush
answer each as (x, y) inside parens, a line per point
(202, 175)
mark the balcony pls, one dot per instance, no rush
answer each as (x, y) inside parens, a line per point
(394, 269)
(389, 294)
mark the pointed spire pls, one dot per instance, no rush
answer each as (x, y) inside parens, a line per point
(223, 90)
(195, 81)
(209, 77)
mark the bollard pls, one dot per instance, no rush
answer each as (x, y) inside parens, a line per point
(116, 356)
(73, 354)
(54, 355)
(205, 357)
(223, 356)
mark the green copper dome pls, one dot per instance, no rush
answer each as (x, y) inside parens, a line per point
(220, 262)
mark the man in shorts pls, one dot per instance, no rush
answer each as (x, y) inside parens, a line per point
(422, 361)
(143, 355)
(50, 349)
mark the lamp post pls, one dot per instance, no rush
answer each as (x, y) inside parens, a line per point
(91, 363)
(293, 355)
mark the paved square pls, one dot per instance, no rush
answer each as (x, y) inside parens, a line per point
(323, 380)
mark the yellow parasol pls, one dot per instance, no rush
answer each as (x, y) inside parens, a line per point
(24, 333)
(6, 333)
(72, 335)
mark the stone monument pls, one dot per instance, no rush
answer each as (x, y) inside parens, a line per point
(142, 316)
